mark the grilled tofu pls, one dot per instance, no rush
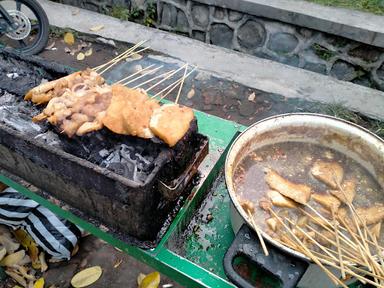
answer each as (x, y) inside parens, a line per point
(328, 201)
(330, 173)
(280, 200)
(298, 192)
(348, 192)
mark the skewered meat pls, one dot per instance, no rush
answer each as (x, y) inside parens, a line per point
(348, 192)
(371, 215)
(325, 237)
(247, 205)
(280, 200)
(302, 221)
(265, 204)
(171, 122)
(298, 192)
(328, 201)
(130, 112)
(375, 230)
(331, 173)
(272, 223)
(77, 111)
(46, 91)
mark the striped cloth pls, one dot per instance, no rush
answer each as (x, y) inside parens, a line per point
(58, 237)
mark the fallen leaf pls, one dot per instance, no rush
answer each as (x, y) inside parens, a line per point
(140, 278)
(88, 52)
(23, 272)
(86, 277)
(252, 97)
(39, 283)
(69, 38)
(29, 244)
(97, 28)
(75, 11)
(191, 93)
(19, 279)
(151, 280)
(3, 252)
(9, 244)
(75, 250)
(13, 259)
(50, 46)
(80, 56)
(136, 56)
(67, 50)
(44, 266)
(117, 264)
(26, 260)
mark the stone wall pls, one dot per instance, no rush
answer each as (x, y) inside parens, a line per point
(286, 43)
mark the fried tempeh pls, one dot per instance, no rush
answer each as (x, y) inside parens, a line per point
(298, 192)
(328, 201)
(280, 200)
(348, 192)
(330, 173)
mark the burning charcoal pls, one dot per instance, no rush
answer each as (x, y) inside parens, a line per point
(20, 122)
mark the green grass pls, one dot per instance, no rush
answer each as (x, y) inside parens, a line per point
(372, 6)
(338, 110)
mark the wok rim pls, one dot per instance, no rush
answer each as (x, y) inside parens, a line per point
(232, 192)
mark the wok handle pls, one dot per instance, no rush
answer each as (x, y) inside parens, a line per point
(286, 268)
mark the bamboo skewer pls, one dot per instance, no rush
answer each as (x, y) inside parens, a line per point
(265, 250)
(124, 57)
(120, 55)
(167, 77)
(338, 246)
(153, 78)
(181, 87)
(334, 279)
(171, 87)
(143, 75)
(134, 74)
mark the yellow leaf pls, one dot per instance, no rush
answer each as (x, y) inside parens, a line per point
(44, 266)
(13, 259)
(140, 278)
(80, 56)
(69, 38)
(19, 279)
(96, 28)
(86, 277)
(27, 242)
(88, 52)
(3, 252)
(151, 280)
(39, 283)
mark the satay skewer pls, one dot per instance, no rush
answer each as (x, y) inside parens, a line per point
(315, 259)
(153, 78)
(143, 75)
(181, 85)
(134, 74)
(250, 216)
(165, 78)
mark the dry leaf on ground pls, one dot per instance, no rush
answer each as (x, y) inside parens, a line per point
(88, 52)
(44, 266)
(39, 283)
(151, 280)
(86, 277)
(252, 97)
(19, 279)
(140, 278)
(80, 56)
(3, 252)
(191, 93)
(13, 259)
(69, 38)
(75, 11)
(97, 28)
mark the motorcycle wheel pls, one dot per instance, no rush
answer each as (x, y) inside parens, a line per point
(31, 36)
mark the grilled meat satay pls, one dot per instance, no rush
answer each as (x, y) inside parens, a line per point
(298, 192)
(348, 193)
(328, 201)
(273, 224)
(247, 205)
(46, 91)
(330, 173)
(371, 215)
(280, 200)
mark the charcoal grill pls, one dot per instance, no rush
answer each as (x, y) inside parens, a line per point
(129, 185)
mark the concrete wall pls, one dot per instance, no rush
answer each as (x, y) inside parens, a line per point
(301, 47)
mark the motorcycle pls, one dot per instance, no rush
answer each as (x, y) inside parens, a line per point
(24, 26)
